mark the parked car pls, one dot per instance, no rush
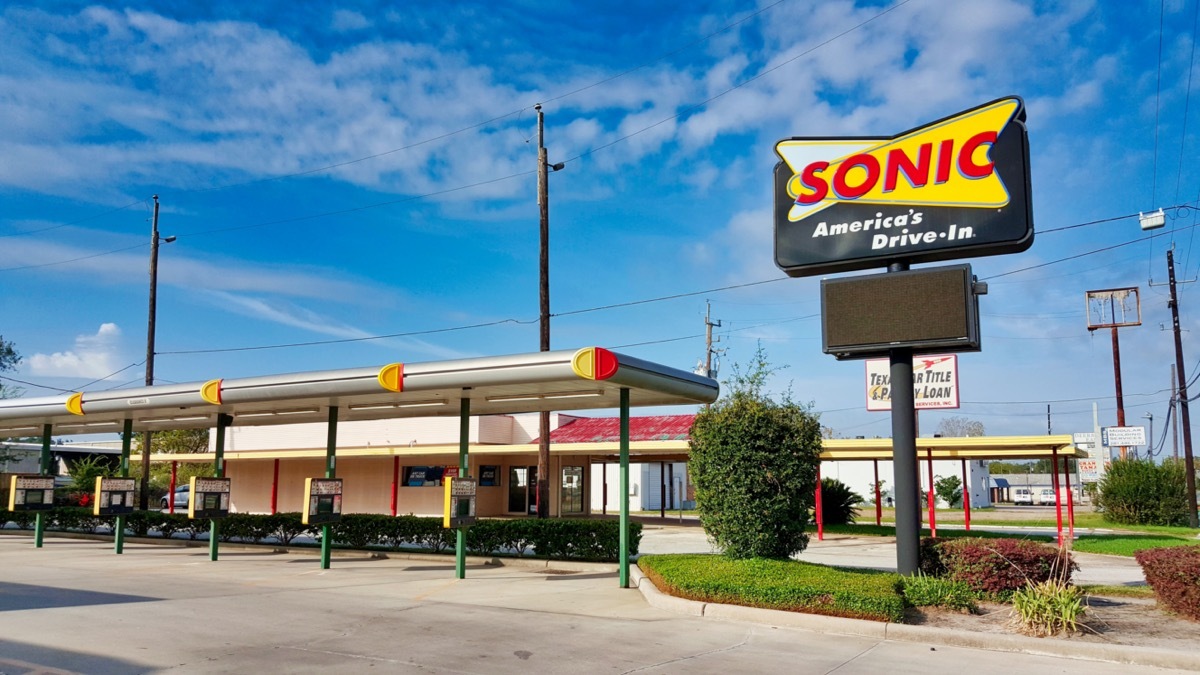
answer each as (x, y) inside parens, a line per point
(1022, 496)
(182, 494)
(1046, 496)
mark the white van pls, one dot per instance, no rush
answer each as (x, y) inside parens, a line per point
(1023, 496)
(1045, 497)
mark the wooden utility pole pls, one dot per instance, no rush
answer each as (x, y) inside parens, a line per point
(144, 499)
(708, 338)
(1188, 462)
(543, 463)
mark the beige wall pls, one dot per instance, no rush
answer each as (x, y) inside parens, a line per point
(367, 486)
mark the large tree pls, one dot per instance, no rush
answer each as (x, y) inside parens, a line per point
(9, 360)
(959, 427)
(754, 463)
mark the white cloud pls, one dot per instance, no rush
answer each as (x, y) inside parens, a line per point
(345, 20)
(94, 356)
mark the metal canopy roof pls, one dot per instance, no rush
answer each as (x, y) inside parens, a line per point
(587, 378)
(974, 447)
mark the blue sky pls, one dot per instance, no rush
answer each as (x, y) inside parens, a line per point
(344, 171)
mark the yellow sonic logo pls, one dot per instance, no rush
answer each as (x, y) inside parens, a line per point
(947, 163)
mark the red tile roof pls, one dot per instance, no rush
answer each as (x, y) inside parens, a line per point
(608, 429)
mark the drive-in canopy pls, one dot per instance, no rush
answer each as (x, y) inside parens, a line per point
(560, 380)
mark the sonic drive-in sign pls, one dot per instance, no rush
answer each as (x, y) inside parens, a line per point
(956, 188)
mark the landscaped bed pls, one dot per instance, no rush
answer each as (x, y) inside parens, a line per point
(778, 584)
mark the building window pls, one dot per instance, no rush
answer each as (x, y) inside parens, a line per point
(489, 476)
(423, 476)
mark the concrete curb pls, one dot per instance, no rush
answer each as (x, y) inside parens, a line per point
(1090, 651)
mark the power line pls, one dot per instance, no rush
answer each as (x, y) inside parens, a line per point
(74, 222)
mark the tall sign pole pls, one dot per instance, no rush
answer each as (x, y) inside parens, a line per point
(1188, 462)
(1115, 308)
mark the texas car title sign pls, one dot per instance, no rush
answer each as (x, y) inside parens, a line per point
(956, 188)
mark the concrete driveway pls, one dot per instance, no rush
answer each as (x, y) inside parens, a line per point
(75, 606)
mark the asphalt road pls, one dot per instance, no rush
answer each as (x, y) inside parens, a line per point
(75, 606)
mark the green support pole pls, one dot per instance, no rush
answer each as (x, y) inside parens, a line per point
(39, 527)
(214, 527)
(464, 442)
(330, 472)
(624, 553)
(126, 443)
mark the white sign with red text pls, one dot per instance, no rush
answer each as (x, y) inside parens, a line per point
(935, 382)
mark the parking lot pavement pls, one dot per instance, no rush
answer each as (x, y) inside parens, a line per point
(75, 606)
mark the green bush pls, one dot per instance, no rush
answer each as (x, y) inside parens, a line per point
(285, 527)
(787, 585)
(839, 504)
(927, 591)
(360, 530)
(995, 568)
(1140, 492)
(929, 557)
(1048, 608)
(754, 463)
(1174, 574)
(22, 519)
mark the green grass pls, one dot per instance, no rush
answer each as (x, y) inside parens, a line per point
(1141, 591)
(787, 585)
(1126, 544)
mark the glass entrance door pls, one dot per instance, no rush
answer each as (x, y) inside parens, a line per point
(522, 486)
(572, 490)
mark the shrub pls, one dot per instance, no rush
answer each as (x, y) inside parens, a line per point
(927, 591)
(141, 522)
(788, 585)
(168, 524)
(1140, 492)
(949, 490)
(23, 519)
(1048, 608)
(995, 568)
(839, 504)
(754, 463)
(929, 557)
(360, 530)
(1174, 574)
(285, 527)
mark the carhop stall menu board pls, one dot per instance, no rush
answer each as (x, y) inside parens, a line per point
(114, 496)
(955, 188)
(209, 498)
(322, 501)
(31, 493)
(460, 502)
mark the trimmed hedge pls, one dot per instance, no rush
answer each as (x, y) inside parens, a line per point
(571, 539)
(788, 585)
(1174, 574)
(995, 568)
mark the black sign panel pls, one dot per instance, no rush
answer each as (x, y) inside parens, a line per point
(956, 188)
(932, 310)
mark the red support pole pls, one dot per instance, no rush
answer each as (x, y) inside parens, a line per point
(878, 501)
(819, 513)
(395, 481)
(171, 489)
(1057, 494)
(930, 497)
(1070, 500)
(966, 496)
(275, 490)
